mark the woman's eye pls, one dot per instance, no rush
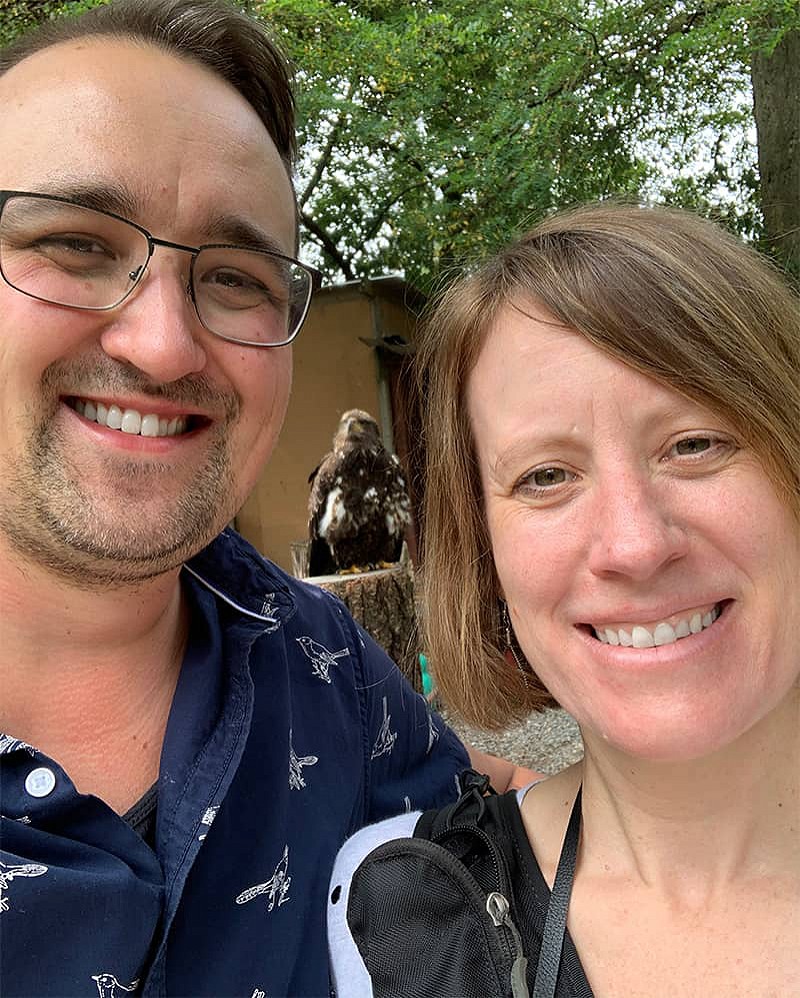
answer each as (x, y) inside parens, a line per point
(704, 451)
(545, 477)
(693, 445)
(543, 481)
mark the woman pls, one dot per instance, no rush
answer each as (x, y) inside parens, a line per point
(613, 525)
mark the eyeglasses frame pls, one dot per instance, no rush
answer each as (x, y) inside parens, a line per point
(152, 241)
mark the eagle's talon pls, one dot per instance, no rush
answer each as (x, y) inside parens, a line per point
(353, 570)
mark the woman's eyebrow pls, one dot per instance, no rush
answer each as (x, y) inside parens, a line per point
(543, 444)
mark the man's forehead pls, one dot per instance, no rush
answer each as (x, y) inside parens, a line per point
(128, 128)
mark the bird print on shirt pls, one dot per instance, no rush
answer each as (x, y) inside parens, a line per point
(296, 766)
(433, 733)
(384, 743)
(208, 819)
(109, 987)
(12, 872)
(321, 658)
(276, 888)
(10, 744)
(269, 610)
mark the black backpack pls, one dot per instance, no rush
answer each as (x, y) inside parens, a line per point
(433, 915)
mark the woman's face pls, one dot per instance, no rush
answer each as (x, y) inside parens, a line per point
(649, 566)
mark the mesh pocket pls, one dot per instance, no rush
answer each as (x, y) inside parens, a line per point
(420, 923)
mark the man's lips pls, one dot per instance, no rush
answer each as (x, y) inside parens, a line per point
(136, 422)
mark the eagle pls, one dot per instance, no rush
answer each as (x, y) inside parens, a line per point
(358, 509)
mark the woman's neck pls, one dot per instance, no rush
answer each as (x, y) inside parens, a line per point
(702, 822)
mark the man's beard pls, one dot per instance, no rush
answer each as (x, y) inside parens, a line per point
(51, 517)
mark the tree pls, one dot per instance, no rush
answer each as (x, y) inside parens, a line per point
(17, 16)
(776, 100)
(432, 130)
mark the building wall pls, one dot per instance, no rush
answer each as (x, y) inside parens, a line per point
(333, 371)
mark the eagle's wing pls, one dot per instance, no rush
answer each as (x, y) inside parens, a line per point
(320, 559)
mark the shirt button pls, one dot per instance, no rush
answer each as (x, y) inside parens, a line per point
(40, 782)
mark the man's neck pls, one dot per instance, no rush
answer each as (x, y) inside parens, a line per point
(88, 677)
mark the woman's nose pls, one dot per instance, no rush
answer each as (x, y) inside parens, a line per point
(635, 532)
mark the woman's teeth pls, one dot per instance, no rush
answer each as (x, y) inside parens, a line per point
(660, 634)
(129, 420)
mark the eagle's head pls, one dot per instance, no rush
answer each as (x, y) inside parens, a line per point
(356, 427)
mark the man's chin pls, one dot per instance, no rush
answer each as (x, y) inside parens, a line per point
(112, 555)
(99, 530)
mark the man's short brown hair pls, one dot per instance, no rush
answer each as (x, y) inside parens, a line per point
(210, 32)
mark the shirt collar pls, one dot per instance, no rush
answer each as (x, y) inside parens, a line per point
(238, 575)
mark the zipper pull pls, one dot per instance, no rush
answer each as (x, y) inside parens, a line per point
(499, 911)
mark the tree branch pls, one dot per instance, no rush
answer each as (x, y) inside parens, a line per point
(379, 217)
(328, 246)
(324, 159)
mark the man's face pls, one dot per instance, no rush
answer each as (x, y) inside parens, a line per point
(169, 145)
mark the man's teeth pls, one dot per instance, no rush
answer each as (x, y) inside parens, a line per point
(131, 421)
(661, 634)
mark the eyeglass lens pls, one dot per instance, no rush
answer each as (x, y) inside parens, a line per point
(70, 255)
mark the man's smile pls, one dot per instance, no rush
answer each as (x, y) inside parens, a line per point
(133, 421)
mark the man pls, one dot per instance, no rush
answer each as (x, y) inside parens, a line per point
(190, 734)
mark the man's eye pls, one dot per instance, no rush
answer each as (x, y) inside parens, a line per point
(231, 279)
(72, 244)
(239, 283)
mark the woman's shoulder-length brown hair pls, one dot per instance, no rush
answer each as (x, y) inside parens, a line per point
(668, 293)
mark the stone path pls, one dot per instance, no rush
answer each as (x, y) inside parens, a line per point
(547, 742)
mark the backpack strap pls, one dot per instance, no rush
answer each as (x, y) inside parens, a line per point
(555, 925)
(475, 808)
(469, 808)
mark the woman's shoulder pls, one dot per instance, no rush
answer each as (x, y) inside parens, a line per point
(544, 809)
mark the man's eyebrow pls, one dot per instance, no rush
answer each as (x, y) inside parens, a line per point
(240, 232)
(120, 200)
(102, 196)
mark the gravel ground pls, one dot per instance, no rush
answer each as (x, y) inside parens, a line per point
(547, 742)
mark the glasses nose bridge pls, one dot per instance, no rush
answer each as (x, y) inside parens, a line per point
(153, 242)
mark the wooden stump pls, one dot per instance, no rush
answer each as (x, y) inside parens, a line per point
(383, 603)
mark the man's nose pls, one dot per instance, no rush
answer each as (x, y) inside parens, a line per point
(157, 329)
(636, 531)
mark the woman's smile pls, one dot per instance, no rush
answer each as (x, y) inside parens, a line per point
(663, 631)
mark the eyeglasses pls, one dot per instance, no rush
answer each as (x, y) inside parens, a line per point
(58, 251)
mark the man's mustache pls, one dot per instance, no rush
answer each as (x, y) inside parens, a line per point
(103, 376)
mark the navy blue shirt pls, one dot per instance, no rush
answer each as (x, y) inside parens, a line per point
(289, 730)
